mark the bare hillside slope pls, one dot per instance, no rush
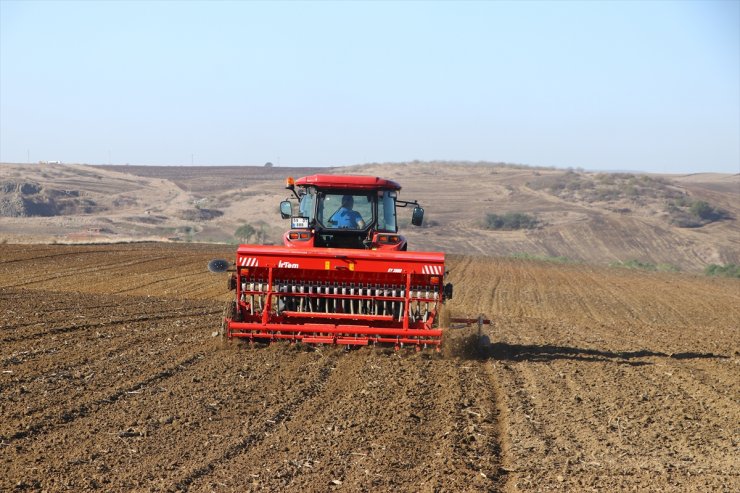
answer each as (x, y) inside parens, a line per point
(673, 222)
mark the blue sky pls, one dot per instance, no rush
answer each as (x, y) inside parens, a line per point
(652, 86)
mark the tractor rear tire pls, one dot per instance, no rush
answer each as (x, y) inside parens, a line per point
(230, 313)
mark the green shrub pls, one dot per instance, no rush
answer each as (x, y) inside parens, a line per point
(244, 232)
(511, 220)
(635, 264)
(686, 213)
(728, 270)
(257, 232)
(707, 212)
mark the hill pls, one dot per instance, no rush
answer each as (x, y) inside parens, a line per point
(661, 221)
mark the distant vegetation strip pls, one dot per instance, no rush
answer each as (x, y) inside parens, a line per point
(605, 187)
(639, 264)
(544, 258)
(728, 270)
(682, 210)
(511, 221)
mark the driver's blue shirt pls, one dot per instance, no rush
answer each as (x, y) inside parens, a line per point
(346, 218)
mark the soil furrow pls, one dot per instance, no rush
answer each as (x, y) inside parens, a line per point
(44, 424)
(255, 436)
(41, 281)
(595, 379)
(97, 325)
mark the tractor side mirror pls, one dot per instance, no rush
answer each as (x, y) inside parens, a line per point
(417, 216)
(286, 209)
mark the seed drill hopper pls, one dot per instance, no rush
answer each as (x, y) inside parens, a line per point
(344, 275)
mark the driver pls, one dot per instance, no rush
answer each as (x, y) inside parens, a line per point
(345, 217)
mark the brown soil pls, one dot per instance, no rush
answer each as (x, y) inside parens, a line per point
(595, 379)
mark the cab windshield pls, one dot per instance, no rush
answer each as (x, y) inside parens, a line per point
(387, 211)
(306, 206)
(345, 210)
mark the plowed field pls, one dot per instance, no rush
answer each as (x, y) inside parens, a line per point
(595, 379)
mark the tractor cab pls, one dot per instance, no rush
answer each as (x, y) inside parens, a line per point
(343, 276)
(347, 211)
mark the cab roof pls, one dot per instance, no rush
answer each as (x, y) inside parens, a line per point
(355, 182)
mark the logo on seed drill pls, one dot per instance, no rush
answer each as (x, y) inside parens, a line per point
(287, 265)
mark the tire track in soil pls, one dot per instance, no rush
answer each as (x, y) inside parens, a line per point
(98, 375)
(158, 281)
(586, 444)
(525, 434)
(623, 435)
(25, 350)
(718, 373)
(47, 423)
(53, 314)
(133, 330)
(39, 281)
(54, 255)
(481, 453)
(49, 311)
(502, 424)
(256, 436)
(132, 444)
(62, 388)
(382, 423)
(97, 354)
(341, 424)
(74, 328)
(698, 387)
(572, 288)
(69, 388)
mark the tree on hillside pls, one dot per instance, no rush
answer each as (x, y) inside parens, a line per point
(244, 232)
(260, 231)
(705, 211)
(510, 221)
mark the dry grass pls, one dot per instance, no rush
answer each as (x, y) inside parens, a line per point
(587, 217)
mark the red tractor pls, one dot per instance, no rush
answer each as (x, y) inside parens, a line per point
(343, 276)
